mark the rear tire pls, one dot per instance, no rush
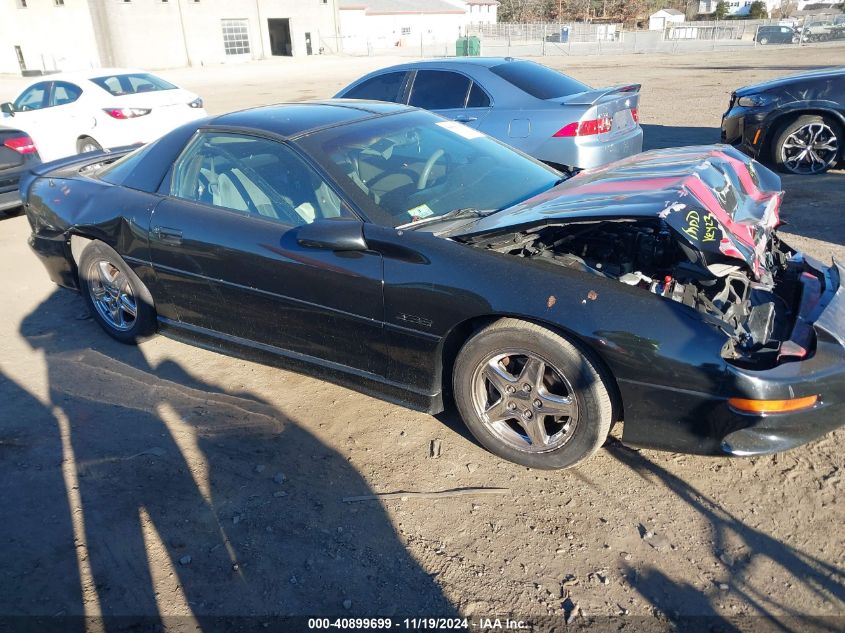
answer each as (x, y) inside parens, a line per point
(86, 144)
(530, 396)
(117, 299)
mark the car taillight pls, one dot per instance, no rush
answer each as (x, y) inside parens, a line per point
(21, 144)
(635, 114)
(586, 128)
(126, 113)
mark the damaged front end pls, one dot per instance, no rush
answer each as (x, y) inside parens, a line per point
(693, 225)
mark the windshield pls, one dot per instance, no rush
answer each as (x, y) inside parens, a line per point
(415, 166)
(132, 83)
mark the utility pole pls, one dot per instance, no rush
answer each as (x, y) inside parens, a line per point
(184, 35)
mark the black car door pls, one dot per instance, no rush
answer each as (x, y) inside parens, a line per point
(224, 247)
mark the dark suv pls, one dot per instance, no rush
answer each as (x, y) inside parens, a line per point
(776, 35)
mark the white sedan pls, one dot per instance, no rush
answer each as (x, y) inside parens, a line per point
(72, 113)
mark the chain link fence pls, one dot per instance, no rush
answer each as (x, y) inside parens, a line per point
(579, 38)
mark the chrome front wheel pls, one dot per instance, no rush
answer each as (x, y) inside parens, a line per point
(525, 401)
(532, 396)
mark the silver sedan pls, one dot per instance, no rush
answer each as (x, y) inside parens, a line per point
(531, 107)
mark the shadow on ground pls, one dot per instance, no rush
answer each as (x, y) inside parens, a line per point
(823, 579)
(156, 492)
(10, 213)
(662, 136)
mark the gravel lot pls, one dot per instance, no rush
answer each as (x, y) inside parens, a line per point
(166, 480)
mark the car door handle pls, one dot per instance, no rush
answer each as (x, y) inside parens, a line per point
(465, 118)
(167, 235)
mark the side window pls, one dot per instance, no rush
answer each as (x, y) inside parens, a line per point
(477, 97)
(439, 90)
(33, 98)
(255, 176)
(387, 87)
(64, 93)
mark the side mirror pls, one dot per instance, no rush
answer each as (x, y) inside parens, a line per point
(336, 235)
(7, 108)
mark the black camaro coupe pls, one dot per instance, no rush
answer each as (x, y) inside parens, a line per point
(409, 256)
(796, 122)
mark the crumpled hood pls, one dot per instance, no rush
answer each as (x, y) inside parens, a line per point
(716, 199)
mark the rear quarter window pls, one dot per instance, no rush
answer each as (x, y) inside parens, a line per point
(537, 80)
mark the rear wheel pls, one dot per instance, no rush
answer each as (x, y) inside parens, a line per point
(808, 145)
(530, 396)
(116, 297)
(87, 144)
(764, 40)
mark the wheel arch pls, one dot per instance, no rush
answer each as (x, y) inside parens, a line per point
(81, 137)
(781, 120)
(461, 333)
(78, 242)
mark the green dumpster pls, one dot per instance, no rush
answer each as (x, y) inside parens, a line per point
(462, 47)
(473, 46)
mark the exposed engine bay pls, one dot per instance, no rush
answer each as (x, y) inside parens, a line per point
(757, 316)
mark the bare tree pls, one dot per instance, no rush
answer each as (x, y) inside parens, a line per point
(785, 9)
(628, 10)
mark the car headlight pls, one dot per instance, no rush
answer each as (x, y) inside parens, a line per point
(755, 101)
(196, 103)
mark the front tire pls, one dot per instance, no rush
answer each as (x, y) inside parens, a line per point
(811, 144)
(116, 297)
(530, 396)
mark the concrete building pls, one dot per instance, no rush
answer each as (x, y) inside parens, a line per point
(659, 20)
(45, 35)
(383, 24)
(479, 11)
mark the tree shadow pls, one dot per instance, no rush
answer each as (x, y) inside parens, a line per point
(202, 503)
(38, 550)
(820, 578)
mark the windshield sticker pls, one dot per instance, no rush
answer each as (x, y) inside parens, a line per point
(460, 129)
(420, 212)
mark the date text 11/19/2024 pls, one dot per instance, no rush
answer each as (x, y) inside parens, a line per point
(408, 624)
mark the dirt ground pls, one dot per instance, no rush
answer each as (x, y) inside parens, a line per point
(166, 480)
